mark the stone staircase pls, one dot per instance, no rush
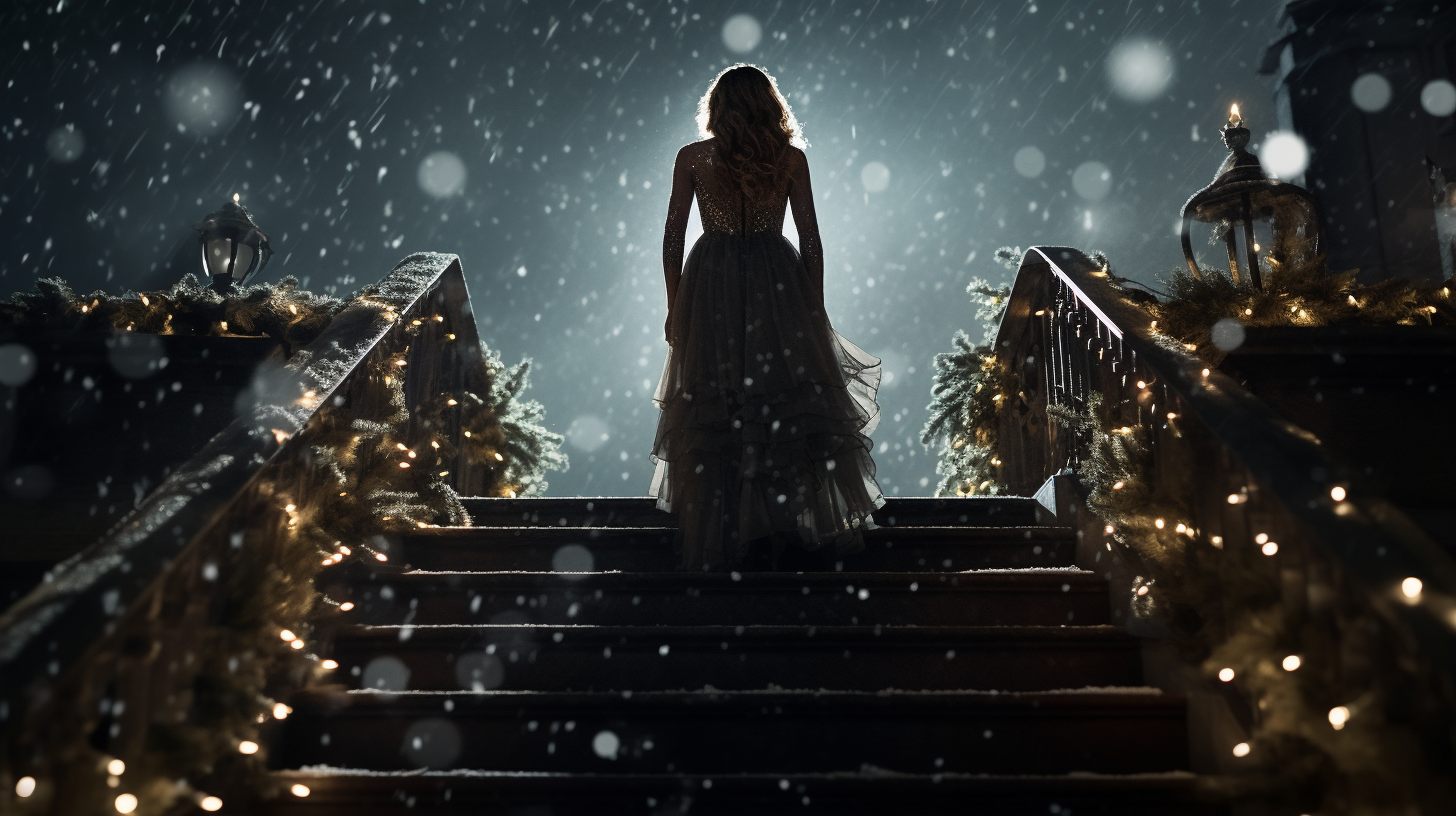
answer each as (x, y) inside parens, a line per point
(550, 661)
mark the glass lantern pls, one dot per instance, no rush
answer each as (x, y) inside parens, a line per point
(232, 246)
(1243, 201)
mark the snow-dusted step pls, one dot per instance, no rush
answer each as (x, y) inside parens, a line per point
(862, 658)
(641, 511)
(650, 549)
(1054, 732)
(1030, 597)
(350, 792)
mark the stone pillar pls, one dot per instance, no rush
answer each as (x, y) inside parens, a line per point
(1368, 168)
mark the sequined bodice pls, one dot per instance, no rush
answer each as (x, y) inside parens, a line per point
(724, 209)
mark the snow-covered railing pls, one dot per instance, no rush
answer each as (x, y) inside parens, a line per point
(1244, 476)
(120, 626)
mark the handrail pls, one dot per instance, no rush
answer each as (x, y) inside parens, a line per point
(1070, 333)
(47, 631)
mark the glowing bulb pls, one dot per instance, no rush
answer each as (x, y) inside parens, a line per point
(1234, 498)
(1241, 750)
(1117, 485)
(293, 308)
(1141, 384)
(1205, 372)
(297, 644)
(1226, 674)
(499, 458)
(116, 767)
(287, 635)
(299, 790)
(1411, 588)
(330, 664)
(467, 433)
(126, 803)
(451, 402)
(1181, 528)
(1261, 538)
(1291, 663)
(1339, 715)
(235, 196)
(1248, 311)
(1256, 247)
(223, 323)
(401, 446)
(1337, 493)
(345, 550)
(25, 787)
(1217, 541)
(346, 606)
(401, 363)
(1158, 523)
(146, 301)
(1172, 415)
(289, 508)
(1270, 548)
(210, 804)
(381, 557)
(247, 747)
(1040, 312)
(1108, 529)
(404, 464)
(280, 711)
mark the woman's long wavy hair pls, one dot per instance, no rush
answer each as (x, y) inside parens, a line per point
(754, 125)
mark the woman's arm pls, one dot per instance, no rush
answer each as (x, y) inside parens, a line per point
(679, 204)
(801, 202)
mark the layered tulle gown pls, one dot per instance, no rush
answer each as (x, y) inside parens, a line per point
(766, 409)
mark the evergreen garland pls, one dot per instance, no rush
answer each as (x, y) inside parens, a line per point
(970, 385)
(352, 483)
(1223, 608)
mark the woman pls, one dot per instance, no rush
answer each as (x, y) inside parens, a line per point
(761, 448)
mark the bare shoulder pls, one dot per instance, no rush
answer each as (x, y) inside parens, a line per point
(695, 150)
(796, 157)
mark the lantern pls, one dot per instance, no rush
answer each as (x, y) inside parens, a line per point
(232, 245)
(1242, 195)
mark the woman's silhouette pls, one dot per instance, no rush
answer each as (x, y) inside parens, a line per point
(762, 446)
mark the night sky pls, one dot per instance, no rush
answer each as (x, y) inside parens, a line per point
(535, 140)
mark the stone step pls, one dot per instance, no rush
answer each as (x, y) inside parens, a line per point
(1031, 597)
(641, 511)
(1086, 730)
(648, 549)
(644, 658)
(352, 792)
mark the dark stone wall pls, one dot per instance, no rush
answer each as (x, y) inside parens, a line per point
(1369, 169)
(100, 424)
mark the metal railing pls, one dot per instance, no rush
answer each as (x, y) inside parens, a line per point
(1217, 450)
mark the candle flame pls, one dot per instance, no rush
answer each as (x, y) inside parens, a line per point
(1234, 116)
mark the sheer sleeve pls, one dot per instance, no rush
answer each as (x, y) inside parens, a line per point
(801, 201)
(674, 234)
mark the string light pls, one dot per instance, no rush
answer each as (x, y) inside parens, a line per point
(1337, 493)
(346, 606)
(299, 790)
(1241, 750)
(210, 804)
(1217, 541)
(1339, 715)
(297, 644)
(499, 458)
(1158, 523)
(1236, 498)
(1411, 588)
(1108, 529)
(1226, 674)
(1270, 548)
(330, 664)
(287, 635)
(281, 711)
(1117, 485)
(381, 557)
(1291, 663)
(25, 786)
(116, 767)
(248, 747)
(451, 402)
(404, 464)
(126, 803)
